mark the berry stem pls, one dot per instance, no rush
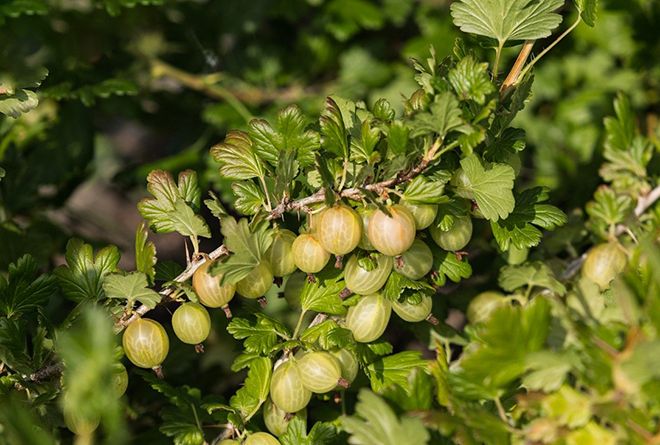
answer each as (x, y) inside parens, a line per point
(343, 383)
(158, 370)
(345, 292)
(339, 261)
(227, 311)
(199, 348)
(431, 319)
(262, 301)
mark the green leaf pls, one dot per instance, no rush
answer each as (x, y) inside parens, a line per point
(288, 136)
(247, 247)
(237, 157)
(444, 116)
(398, 284)
(422, 190)
(170, 208)
(249, 198)
(20, 102)
(470, 80)
(145, 253)
(23, 289)
(82, 277)
(323, 294)
(587, 10)
(491, 188)
(448, 265)
(548, 370)
(296, 434)
(334, 135)
(364, 139)
(570, 407)
(505, 20)
(532, 274)
(20, 423)
(181, 425)
(500, 346)
(394, 369)
(521, 228)
(608, 209)
(259, 337)
(375, 423)
(255, 389)
(328, 335)
(397, 138)
(87, 351)
(131, 287)
(591, 434)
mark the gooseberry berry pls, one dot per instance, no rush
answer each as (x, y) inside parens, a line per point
(280, 253)
(293, 288)
(368, 319)
(416, 261)
(209, 290)
(424, 214)
(348, 363)
(392, 235)
(414, 312)
(257, 282)
(191, 323)
(483, 304)
(364, 282)
(308, 254)
(146, 343)
(603, 263)
(320, 372)
(365, 213)
(456, 237)
(339, 230)
(276, 420)
(286, 388)
(261, 439)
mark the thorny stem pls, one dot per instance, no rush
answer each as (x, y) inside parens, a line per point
(355, 193)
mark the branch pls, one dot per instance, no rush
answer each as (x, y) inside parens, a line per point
(356, 193)
(512, 77)
(165, 293)
(643, 203)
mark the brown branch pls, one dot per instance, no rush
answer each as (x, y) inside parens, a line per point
(356, 193)
(643, 203)
(512, 77)
(165, 293)
(46, 372)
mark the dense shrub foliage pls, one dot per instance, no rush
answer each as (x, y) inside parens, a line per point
(442, 228)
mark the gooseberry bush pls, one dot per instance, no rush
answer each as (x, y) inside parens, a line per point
(363, 222)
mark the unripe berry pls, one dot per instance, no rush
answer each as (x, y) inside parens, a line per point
(413, 312)
(286, 388)
(416, 261)
(308, 254)
(208, 288)
(604, 262)
(257, 282)
(365, 282)
(365, 213)
(424, 214)
(456, 237)
(145, 343)
(320, 372)
(191, 323)
(348, 362)
(483, 305)
(280, 253)
(368, 319)
(261, 439)
(276, 420)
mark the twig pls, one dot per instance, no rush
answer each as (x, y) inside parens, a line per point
(183, 276)
(355, 192)
(643, 203)
(512, 77)
(45, 372)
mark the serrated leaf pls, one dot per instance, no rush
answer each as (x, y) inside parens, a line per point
(249, 198)
(82, 277)
(587, 10)
(491, 188)
(422, 190)
(364, 138)
(288, 136)
(547, 370)
(247, 248)
(500, 346)
(296, 434)
(532, 274)
(215, 206)
(568, 406)
(20, 102)
(608, 209)
(500, 149)
(444, 116)
(260, 336)
(375, 423)
(448, 265)
(470, 80)
(237, 157)
(255, 389)
(23, 289)
(285, 175)
(521, 228)
(505, 20)
(328, 335)
(334, 135)
(145, 253)
(398, 284)
(397, 138)
(131, 287)
(170, 209)
(323, 294)
(394, 369)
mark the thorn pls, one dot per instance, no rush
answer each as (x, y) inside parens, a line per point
(227, 311)
(188, 262)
